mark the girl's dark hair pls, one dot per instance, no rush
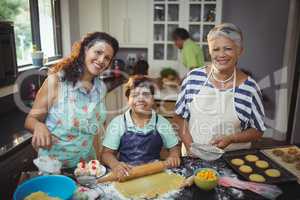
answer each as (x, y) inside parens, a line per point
(73, 65)
(139, 81)
(141, 68)
(180, 33)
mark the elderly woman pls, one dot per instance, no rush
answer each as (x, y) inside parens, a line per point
(219, 104)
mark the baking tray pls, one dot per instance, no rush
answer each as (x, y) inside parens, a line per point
(286, 176)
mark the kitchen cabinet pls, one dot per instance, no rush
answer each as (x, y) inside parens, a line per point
(128, 22)
(196, 16)
(116, 103)
(12, 167)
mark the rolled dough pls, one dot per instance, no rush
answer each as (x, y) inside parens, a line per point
(150, 186)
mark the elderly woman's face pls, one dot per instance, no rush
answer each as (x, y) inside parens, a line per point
(224, 52)
(98, 57)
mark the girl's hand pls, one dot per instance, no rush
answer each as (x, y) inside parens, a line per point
(41, 136)
(222, 141)
(172, 161)
(121, 170)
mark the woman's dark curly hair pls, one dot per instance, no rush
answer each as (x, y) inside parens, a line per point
(73, 65)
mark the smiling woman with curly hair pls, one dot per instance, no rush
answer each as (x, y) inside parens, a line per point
(69, 110)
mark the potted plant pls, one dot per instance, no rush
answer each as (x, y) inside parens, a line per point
(37, 56)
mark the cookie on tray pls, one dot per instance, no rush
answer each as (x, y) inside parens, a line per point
(278, 152)
(257, 178)
(292, 150)
(274, 173)
(251, 158)
(288, 158)
(237, 162)
(245, 169)
(262, 164)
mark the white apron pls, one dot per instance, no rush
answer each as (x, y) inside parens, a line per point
(212, 113)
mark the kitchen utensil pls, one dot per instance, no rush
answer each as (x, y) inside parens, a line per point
(285, 176)
(135, 172)
(206, 151)
(54, 185)
(266, 190)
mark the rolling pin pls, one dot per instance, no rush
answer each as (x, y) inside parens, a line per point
(135, 172)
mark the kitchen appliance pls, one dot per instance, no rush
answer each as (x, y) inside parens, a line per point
(8, 64)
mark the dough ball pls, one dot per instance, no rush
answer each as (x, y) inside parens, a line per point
(245, 169)
(292, 151)
(278, 152)
(237, 162)
(262, 164)
(251, 158)
(288, 158)
(257, 178)
(273, 173)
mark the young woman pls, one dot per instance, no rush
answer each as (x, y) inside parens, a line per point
(69, 110)
(138, 136)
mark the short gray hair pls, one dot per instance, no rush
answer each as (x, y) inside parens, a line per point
(227, 30)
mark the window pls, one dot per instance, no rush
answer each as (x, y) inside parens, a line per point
(36, 22)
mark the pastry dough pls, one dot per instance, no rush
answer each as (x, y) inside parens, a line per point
(251, 158)
(257, 178)
(262, 164)
(273, 173)
(150, 186)
(245, 169)
(237, 162)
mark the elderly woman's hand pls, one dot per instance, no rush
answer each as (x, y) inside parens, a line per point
(222, 141)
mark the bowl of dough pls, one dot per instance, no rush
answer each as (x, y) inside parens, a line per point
(49, 187)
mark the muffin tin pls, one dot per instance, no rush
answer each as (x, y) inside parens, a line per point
(286, 176)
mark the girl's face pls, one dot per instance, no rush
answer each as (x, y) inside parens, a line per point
(224, 53)
(98, 58)
(141, 100)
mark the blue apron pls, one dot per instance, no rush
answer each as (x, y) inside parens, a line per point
(138, 148)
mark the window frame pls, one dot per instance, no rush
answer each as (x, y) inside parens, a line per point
(35, 28)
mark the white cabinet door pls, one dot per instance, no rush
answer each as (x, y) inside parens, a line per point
(118, 20)
(128, 22)
(138, 21)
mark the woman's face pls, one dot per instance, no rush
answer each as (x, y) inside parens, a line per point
(98, 58)
(141, 100)
(224, 53)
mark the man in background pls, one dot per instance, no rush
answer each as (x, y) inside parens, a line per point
(191, 53)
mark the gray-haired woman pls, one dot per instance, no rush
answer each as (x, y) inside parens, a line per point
(220, 104)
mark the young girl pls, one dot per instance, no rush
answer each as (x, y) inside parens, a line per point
(69, 108)
(138, 136)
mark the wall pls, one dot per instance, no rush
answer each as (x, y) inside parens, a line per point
(70, 24)
(264, 25)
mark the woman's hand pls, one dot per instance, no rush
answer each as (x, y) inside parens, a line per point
(121, 169)
(172, 161)
(41, 136)
(222, 141)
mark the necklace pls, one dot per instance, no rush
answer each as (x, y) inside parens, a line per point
(222, 82)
